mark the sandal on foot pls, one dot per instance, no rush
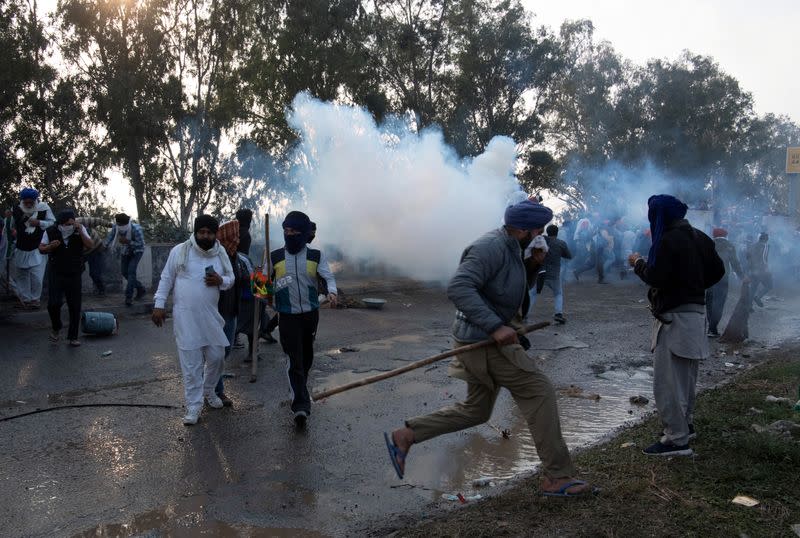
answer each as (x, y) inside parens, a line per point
(395, 454)
(562, 491)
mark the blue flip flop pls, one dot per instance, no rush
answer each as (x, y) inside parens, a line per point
(562, 492)
(395, 454)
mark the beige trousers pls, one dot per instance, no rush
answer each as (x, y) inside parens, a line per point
(486, 371)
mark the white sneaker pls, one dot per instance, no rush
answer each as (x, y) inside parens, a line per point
(214, 401)
(191, 417)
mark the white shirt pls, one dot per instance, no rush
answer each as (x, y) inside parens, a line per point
(84, 233)
(198, 322)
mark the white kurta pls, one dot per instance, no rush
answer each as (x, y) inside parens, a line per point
(197, 321)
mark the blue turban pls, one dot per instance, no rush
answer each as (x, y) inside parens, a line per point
(663, 209)
(27, 193)
(299, 221)
(528, 215)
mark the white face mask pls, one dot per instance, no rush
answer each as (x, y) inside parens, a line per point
(122, 229)
(66, 230)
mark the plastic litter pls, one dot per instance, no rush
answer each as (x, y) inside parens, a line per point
(776, 399)
(461, 498)
(744, 500)
(627, 445)
(106, 353)
(483, 481)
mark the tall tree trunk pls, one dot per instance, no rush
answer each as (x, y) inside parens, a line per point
(133, 164)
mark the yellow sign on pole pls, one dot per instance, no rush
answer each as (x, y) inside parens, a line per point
(793, 160)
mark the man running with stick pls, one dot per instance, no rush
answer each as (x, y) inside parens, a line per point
(488, 289)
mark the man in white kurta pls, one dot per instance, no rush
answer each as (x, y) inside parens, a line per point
(196, 271)
(31, 218)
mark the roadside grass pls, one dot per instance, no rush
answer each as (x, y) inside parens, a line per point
(648, 496)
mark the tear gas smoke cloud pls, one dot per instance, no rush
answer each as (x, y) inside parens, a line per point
(389, 194)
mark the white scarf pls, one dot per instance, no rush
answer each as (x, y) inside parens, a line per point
(127, 233)
(30, 211)
(216, 250)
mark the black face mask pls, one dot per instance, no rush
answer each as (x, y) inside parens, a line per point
(294, 243)
(205, 244)
(523, 243)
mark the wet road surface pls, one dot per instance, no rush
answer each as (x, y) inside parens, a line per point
(124, 471)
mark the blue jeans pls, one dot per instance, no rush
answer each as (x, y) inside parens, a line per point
(230, 331)
(558, 293)
(129, 264)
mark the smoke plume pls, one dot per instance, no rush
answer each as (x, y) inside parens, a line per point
(389, 194)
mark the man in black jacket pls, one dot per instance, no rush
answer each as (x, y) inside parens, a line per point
(64, 243)
(681, 266)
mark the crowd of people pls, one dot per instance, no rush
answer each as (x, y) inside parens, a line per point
(494, 288)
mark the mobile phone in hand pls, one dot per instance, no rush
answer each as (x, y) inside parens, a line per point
(210, 270)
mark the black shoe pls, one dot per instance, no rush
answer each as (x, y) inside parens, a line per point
(692, 433)
(560, 318)
(300, 419)
(660, 449)
(758, 302)
(268, 339)
(227, 402)
(141, 292)
(713, 333)
(128, 302)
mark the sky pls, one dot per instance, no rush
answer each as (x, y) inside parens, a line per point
(758, 43)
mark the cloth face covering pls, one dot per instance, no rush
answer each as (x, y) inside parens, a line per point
(66, 230)
(295, 243)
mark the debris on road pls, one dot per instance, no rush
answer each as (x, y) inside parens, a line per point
(744, 500)
(106, 353)
(776, 399)
(639, 400)
(627, 445)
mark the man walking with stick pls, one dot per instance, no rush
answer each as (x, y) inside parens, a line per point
(488, 289)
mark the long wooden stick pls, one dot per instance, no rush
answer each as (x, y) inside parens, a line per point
(420, 363)
(265, 264)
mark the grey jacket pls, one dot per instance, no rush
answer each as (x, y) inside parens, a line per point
(488, 287)
(552, 261)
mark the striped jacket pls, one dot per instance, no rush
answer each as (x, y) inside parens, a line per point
(295, 279)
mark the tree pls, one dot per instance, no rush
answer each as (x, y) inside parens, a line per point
(502, 69)
(120, 51)
(190, 171)
(410, 46)
(55, 146)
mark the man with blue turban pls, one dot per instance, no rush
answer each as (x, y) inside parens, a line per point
(681, 265)
(31, 218)
(488, 290)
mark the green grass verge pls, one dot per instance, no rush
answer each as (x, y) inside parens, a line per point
(646, 496)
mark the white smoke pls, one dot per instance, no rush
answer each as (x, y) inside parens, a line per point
(392, 195)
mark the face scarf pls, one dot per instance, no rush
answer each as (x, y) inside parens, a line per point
(297, 220)
(295, 243)
(66, 230)
(663, 210)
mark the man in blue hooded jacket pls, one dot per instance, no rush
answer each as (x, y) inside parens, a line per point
(681, 265)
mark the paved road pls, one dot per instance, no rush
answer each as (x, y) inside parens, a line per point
(120, 471)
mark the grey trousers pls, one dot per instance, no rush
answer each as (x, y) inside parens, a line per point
(674, 386)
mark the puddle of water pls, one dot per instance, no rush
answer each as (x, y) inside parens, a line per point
(583, 421)
(188, 518)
